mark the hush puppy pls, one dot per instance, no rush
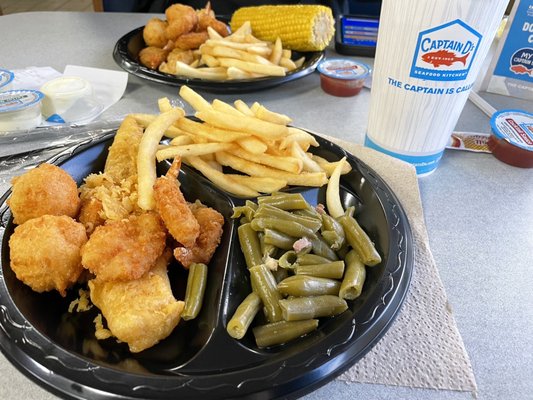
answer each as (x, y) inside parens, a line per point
(45, 252)
(45, 190)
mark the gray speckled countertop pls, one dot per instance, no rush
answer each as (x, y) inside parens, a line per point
(478, 211)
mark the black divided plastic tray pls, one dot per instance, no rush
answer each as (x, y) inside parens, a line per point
(126, 55)
(199, 360)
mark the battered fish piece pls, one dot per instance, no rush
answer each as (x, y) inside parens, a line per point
(154, 33)
(140, 312)
(124, 250)
(45, 252)
(173, 209)
(211, 223)
(45, 190)
(113, 193)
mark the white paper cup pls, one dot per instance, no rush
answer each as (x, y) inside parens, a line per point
(428, 55)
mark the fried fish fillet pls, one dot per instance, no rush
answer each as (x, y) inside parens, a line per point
(125, 249)
(140, 312)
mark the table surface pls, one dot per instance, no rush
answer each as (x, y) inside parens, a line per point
(478, 211)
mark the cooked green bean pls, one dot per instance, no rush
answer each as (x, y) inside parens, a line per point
(244, 315)
(264, 284)
(321, 248)
(288, 227)
(267, 249)
(305, 259)
(282, 331)
(194, 293)
(278, 239)
(333, 270)
(285, 201)
(302, 308)
(268, 211)
(359, 240)
(308, 212)
(245, 210)
(332, 232)
(288, 260)
(305, 285)
(354, 277)
(250, 246)
(280, 274)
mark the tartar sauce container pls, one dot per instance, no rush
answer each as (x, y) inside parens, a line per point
(342, 77)
(20, 110)
(62, 94)
(6, 79)
(512, 137)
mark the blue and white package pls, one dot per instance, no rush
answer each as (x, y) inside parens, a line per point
(511, 70)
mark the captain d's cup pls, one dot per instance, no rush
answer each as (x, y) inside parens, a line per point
(428, 55)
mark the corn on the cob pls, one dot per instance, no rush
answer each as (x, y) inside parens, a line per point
(300, 27)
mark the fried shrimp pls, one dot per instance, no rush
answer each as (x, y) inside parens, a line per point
(152, 57)
(154, 33)
(191, 40)
(45, 190)
(181, 19)
(45, 252)
(140, 312)
(173, 209)
(211, 222)
(125, 249)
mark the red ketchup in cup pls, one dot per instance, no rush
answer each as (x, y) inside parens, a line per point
(342, 77)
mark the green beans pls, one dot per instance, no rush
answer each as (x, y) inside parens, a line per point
(285, 201)
(304, 285)
(194, 294)
(359, 240)
(282, 331)
(290, 228)
(250, 246)
(278, 239)
(264, 284)
(244, 315)
(304, 259)
(334, 270)
(332, 232)
(303, 264)
(354, 277)
(302, 308)
(268, 211)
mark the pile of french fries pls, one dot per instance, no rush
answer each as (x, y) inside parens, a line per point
(263, 153)
(238, 56)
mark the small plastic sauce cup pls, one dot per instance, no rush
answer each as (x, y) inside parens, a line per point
(512, 137)
(20, 110)
(6, 79)
(342, 77)
(61, 94)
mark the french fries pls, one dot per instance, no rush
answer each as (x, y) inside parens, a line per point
(238, 56)
(244, 150)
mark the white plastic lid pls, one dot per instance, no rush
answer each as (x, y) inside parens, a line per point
(342, 68)
(6, 77)
(19, 100)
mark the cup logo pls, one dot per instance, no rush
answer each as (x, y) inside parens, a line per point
(445, 52)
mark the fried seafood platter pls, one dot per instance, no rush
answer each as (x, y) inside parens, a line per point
(142, 283)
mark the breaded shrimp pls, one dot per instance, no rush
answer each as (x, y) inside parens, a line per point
(152, 57)
(126, 249)
(181, 19)
(45, 252)
(211, 222)
(45, 190)
(173, 209)
(154, 33)
(191, 40)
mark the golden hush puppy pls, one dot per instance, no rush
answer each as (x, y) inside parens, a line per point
(45, 252)
(45, 190)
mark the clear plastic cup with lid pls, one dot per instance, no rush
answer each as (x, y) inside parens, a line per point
(20, 110)
(69, 99)
(342, 77)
